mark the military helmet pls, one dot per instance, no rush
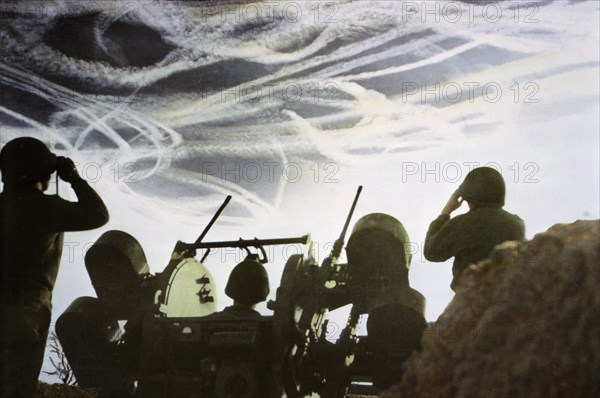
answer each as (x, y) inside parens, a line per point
(485, 186)
(248, 282)
(26, 160)
(378, 250)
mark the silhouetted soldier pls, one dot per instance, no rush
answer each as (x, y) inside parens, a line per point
(379, 261)
(31, 240)
(470, 237)
(248, 285)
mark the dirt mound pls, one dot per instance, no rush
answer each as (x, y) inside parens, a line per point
(45, 390)
(524, 323)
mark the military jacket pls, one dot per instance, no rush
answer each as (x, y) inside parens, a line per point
(470, 237)
(31, 233)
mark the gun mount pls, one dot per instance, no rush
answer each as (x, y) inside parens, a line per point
(375, 283)
(169, 349)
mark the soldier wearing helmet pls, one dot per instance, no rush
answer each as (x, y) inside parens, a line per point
(470, 237)
(379, 259)
(248, 285)
(31, 239)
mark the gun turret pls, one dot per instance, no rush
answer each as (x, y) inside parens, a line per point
(375, 283)
(306, 287)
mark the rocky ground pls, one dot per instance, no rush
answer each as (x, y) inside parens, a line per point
(45, 390)
(525, 323)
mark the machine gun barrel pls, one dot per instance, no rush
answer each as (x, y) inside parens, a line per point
(183, 249)
(358, 191)
(213, 219)
(336, 378)
(336, 250)
(243, 243)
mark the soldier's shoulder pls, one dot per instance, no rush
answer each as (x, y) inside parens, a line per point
(511, 215)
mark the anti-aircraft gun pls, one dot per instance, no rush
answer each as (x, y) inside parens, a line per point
(166, 337)
(98, 352)
(375, 283)
(172, 351)
(185, 356)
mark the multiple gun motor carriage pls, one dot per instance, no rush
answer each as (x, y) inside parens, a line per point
(170, 349)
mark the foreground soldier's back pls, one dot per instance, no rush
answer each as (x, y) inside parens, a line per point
(31, 240)
(470, 237)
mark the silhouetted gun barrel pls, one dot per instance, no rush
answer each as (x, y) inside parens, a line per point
(213, 219)
(336, 250)
(183, 249)
(317, 302)
(243, 243)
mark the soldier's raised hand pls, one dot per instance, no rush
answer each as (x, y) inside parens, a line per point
(453, 203)
(66, 170)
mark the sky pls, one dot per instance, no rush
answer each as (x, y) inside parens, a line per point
(290, 106)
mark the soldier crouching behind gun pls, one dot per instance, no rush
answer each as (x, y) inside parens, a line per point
(31, 240)
(470, 237)
(248, 285)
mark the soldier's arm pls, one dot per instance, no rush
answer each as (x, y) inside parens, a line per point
(440, 243)
(88, 212)
(443, 238)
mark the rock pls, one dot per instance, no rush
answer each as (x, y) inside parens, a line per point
(523, 323)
